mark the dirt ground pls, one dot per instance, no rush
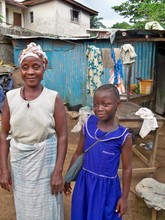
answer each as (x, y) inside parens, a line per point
(7, 211)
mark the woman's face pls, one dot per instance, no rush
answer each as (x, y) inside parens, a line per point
(32, 71)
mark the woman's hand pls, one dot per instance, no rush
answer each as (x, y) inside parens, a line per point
(5, 180)
(56, 183)
(67, 189)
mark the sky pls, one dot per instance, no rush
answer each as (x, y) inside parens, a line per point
(109, 16)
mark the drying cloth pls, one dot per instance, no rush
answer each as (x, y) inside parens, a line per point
(95, 68)
(153, 193)
(153, 25)
(128, 54)
(116, 74)
(149, 122)
(120, 83)
(106, 57)
(117, 52)
(32, 167)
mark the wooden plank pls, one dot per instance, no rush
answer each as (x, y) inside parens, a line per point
(140, 155)
(142, 170)
(138, 98)
(125, 115)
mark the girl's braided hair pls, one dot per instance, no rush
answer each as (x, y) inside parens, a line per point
(110, 87)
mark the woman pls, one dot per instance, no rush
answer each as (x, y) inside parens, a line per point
(34, 130)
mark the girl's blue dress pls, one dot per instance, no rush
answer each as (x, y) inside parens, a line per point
(97, 188)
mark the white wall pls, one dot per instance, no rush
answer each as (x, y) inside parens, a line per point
(11, 10)
(54, 18)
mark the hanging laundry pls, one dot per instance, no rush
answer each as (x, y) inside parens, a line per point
(128, 54)
(120, 84)
(153, 25)
(106, 57)
(95, 68)
(117, 53)
(116, 74)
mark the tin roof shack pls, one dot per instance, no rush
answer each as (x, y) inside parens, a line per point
(68, 66)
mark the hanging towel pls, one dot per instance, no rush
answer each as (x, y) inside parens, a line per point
(95, 68)
(149, 122)
(128, 54)
(106, 57)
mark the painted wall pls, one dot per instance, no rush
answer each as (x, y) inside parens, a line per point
(54, 18)
(67, 70)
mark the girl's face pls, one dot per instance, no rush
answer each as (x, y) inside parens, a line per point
(105, 105)
(32, 71)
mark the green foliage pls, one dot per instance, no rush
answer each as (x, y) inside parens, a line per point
(122, 25)
(140, 12)
(95, 22)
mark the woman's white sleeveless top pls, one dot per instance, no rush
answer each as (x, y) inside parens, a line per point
(31, 121)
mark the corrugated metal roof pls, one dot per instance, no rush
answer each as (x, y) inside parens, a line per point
(48, 37)
(112, 34)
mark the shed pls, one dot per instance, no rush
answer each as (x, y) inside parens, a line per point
(67, 70)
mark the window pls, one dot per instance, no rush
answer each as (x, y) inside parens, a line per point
(75, 14)
(31, 17)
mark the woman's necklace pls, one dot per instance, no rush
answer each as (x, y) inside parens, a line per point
(24, 96)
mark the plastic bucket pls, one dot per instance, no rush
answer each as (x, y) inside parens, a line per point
(146, 86)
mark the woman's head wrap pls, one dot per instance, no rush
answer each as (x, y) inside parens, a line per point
(34, 51)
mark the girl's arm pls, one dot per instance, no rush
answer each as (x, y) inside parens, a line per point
(62, 135)
(126, 175)
(79, 150)
(5, 176)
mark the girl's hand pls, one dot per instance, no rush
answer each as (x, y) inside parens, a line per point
(5, 180)
(121, 206)
(56, 183)
(67, 189)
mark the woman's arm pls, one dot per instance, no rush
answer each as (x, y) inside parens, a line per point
(61, 131)
(5, 177)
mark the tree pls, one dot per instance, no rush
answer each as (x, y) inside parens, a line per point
(95, 22)
(122, 25)
(140, 12)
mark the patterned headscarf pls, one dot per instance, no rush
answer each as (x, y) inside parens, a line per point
(35, 51)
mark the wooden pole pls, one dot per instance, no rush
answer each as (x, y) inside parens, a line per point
(129, 81)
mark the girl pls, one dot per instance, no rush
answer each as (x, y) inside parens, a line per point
(97, 192)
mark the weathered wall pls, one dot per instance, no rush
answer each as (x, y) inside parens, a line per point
(54, 17)
(67, 70)
(6, 47)
(7, 11)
